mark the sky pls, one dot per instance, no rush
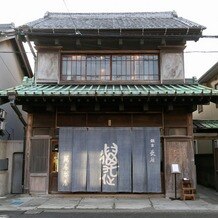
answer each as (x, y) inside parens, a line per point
(199, 56)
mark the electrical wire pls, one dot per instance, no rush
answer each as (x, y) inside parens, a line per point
(76, 31)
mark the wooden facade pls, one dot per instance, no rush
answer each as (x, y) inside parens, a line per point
(109, 109)
(175, 128)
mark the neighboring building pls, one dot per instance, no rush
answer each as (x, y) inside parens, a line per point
(109, 109)
(14, 65)
(206, 134)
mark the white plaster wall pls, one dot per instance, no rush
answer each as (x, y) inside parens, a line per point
(11, 75)
(172, 66)
(210, 112)
(10, 71)
(47, 67)
(7, 149)
(13, 146)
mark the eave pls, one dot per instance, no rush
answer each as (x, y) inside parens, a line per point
(172, 33)
(154, 94)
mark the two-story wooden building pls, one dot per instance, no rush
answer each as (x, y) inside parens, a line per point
(14, 65)
(109, 109)
(206, 134)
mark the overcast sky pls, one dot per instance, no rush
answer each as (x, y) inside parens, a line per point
(199, 56)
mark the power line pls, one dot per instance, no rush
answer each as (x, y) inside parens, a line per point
(200, 51)
(66, 6)
(210, 36)
(76, 31)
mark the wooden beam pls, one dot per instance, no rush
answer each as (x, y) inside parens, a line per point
(145, 107)
(99, 41)
(73, 107)
(97, 106)
(121, 106)
(78, 42)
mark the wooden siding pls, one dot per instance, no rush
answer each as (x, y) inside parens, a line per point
(109, 119)
(39, 165)
(178, 151)
(175, 124)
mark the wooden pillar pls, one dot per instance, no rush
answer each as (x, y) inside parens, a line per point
(27, 152)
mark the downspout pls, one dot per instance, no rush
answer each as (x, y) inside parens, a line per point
(17, 111)
(20, 116)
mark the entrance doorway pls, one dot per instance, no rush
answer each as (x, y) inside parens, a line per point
(117, 160)
(17, 173)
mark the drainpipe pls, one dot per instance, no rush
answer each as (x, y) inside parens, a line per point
(17, 111)
(11, 98)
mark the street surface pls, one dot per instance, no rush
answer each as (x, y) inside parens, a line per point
(107, 214)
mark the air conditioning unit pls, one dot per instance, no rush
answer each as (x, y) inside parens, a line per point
(2, 125)
(2, 114)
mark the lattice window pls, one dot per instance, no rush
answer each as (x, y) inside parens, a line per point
(39, 155)
(110, 67)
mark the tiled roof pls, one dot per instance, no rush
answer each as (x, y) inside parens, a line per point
(6, 27)
(205, 124)
(210, 74)
(55, 90)
(143, 20)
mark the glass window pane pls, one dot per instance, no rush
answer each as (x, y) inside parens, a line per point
(100, 67)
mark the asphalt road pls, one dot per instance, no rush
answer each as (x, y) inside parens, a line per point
(108, 214)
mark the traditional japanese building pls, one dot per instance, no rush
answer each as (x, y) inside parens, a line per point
(14, 65)
(206, 134)
(109, 109)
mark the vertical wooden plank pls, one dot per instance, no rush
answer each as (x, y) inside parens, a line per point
(178, 151)
(65, 159)
(79, 159)
(27, 152)
(153, 159)
(124, 142)
(139, 161)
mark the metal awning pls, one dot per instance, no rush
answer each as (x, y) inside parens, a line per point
(175, 92)
(110, 90)
(205, 124)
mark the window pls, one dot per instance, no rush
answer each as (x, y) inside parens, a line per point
(110, 67)
(39, 156)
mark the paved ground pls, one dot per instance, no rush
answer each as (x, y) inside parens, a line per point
(206, 201)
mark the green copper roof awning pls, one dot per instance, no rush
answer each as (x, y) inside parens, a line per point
(205, 124)
(109, 90)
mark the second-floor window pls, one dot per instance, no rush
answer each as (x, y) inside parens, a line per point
(110, 67)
